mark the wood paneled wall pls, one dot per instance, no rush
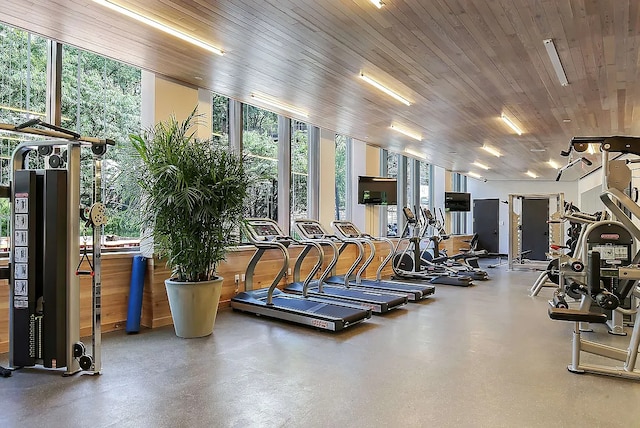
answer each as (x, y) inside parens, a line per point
(116, 274)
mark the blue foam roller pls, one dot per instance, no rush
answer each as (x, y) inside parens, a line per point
(136, 286)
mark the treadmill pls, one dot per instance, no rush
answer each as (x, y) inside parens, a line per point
(378, 302)
(348, 233)
(265, 234)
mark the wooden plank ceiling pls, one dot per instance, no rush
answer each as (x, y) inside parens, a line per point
(461, 64)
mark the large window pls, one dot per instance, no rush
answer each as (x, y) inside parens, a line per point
(299, 169)
(341, 146)
(260, 147)
(101, 97)
(23, 66)
(220, 119)
(425, 188)
(459, 219)
(392, 210)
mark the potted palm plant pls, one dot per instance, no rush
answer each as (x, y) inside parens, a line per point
(193, 194)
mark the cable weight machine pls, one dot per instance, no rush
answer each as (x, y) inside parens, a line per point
(45, 263)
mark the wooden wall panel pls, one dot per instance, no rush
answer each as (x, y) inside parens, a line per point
(116, 274)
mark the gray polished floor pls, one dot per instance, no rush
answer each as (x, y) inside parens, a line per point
(486, 356)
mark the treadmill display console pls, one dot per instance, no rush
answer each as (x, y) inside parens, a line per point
(348, 230)
(311, 229)
(265, 230)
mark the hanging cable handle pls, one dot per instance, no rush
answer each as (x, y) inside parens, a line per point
(85, 256)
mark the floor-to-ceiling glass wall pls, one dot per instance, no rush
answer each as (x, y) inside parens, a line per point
(341, 147)
(392, 210)
(299, 169)
(260, 148)
(102, 98)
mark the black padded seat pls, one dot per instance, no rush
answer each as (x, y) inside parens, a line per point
(575, 315)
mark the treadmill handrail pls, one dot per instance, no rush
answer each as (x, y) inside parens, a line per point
(261, 247)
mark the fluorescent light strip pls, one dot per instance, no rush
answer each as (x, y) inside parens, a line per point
(384, 89)
(555, 61)
(407, 133)
(492, 151)
(511, 125)
(377, 3)
(531, 174)
(480, 165)
(278, 104)
(474, 174)
(157, 25)
(415, 153)
(553, 164)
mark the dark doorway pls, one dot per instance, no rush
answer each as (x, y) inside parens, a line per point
(486, 213)
(535, 229)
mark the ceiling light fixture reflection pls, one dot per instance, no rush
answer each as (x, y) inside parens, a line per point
(555, 61)
(406, 132)
(159, 26)
(384, 89)
(510, 124)
(491, 150)
(480, 165)
(591, 149)
(474, 174)
(275, 103)
(553, 164)
(532, 174)
(377, 3)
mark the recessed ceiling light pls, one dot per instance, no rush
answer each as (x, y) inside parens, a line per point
(415, 153)
(197, 77)
(531, 174)
(510, 124)
(407, 132)
(566, 120)
(538, 150)
(491, 150)
(480, 165)
(377, 3)
(384, 89)
(275, 103)
(553, 164)
(159, 26)
(474, 174)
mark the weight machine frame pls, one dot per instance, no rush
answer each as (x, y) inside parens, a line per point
(75, 358)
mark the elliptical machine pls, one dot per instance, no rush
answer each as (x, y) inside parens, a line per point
(408, 263)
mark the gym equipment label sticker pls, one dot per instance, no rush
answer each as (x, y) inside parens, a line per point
(21, 288)
(22, 205)
(21, 271)
(20, 302)
(21, 255)
(22, 221)
(21, 238)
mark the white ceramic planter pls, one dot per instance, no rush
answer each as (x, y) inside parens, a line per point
(194, 306)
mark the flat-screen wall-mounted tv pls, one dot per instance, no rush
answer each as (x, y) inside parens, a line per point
(377, 190)
(457, 201)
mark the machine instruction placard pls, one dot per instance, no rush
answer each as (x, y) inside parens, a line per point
(21, 251)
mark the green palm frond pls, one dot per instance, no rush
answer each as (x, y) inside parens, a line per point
(194, 193)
